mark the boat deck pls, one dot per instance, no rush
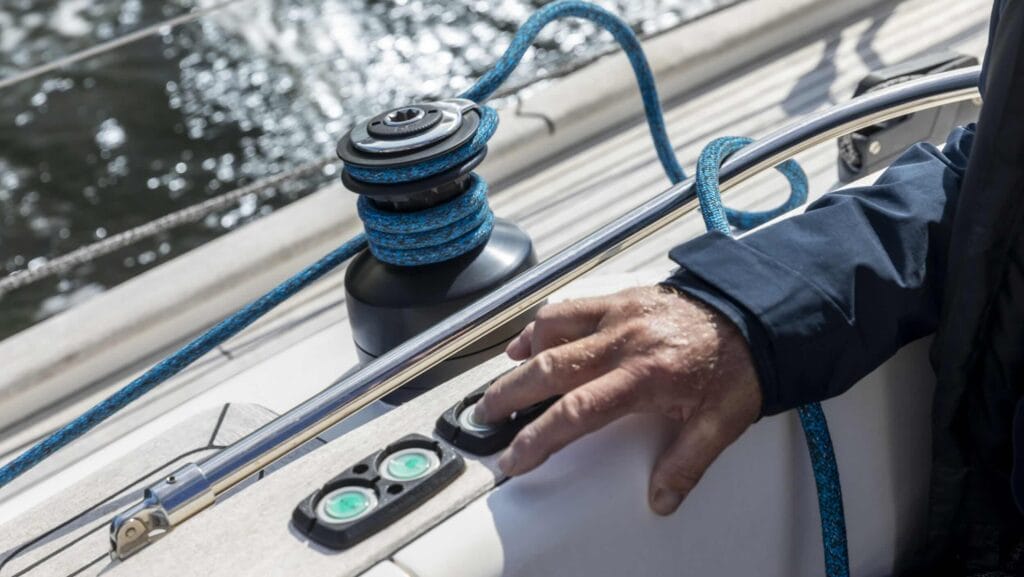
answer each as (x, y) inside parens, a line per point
(306, 345)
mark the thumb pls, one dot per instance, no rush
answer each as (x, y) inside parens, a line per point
(701, 440)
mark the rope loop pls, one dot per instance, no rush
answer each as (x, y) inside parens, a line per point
(719, 217)
(626, 38)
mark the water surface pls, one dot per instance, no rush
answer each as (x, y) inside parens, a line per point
(249, 90)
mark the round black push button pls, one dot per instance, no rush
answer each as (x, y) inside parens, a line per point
(469, 423)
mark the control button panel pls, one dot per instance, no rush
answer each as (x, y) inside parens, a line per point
(458, 427)
(376, 491)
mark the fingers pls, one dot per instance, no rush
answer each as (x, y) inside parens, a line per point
(701, 440)
(557, 324)
(553, 372)
(578, 413)
(519, 348)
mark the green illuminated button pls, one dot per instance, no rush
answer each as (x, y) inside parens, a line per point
(346, 504)
(410, 464)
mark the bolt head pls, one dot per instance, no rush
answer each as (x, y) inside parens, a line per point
(403, 116)
(875, 147)
(132, 529)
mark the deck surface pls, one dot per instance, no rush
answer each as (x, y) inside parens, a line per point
(306, 345)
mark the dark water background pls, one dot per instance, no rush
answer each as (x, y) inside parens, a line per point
(247, 91)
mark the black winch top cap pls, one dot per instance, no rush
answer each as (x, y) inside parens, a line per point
(410, 134)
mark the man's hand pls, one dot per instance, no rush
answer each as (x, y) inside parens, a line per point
(640, 350)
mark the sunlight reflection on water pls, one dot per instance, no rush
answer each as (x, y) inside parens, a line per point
(250, 90)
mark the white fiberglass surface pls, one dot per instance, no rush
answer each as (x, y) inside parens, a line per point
(585, 512)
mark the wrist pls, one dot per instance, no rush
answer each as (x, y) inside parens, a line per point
(743, 326)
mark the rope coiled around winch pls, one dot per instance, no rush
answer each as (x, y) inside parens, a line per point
(441, 232)
(463, 223)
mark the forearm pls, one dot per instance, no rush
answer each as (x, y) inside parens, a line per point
(825, 297)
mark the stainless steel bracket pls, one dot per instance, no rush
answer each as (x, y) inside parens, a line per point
(177, 497)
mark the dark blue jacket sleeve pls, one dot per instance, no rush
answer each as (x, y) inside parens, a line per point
(825, 297)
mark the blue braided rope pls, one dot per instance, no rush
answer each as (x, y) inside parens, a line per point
(718, 217)
(465, 222)
(623, 34)
(438, 233)
(431, 235)
(175, 363)
(830, 492)
(812, 417)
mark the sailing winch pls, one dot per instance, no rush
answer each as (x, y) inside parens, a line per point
(434, 245)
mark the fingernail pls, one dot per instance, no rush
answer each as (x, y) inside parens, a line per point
(518, 348)
(511, 346)
(507, 462)
(665, 502)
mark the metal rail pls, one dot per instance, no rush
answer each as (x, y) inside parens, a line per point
(104, 47)
(195, 486)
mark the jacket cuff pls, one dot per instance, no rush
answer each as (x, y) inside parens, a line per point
(758, 344)
(763, 297)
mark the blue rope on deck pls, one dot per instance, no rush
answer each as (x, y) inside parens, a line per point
(465, 222)
(812, 417)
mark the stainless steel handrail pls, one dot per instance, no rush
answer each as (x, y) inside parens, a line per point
(193, 487)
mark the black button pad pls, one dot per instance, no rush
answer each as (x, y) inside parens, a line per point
(457, 427)
(376, 491)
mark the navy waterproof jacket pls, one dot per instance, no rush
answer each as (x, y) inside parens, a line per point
(934, 246)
